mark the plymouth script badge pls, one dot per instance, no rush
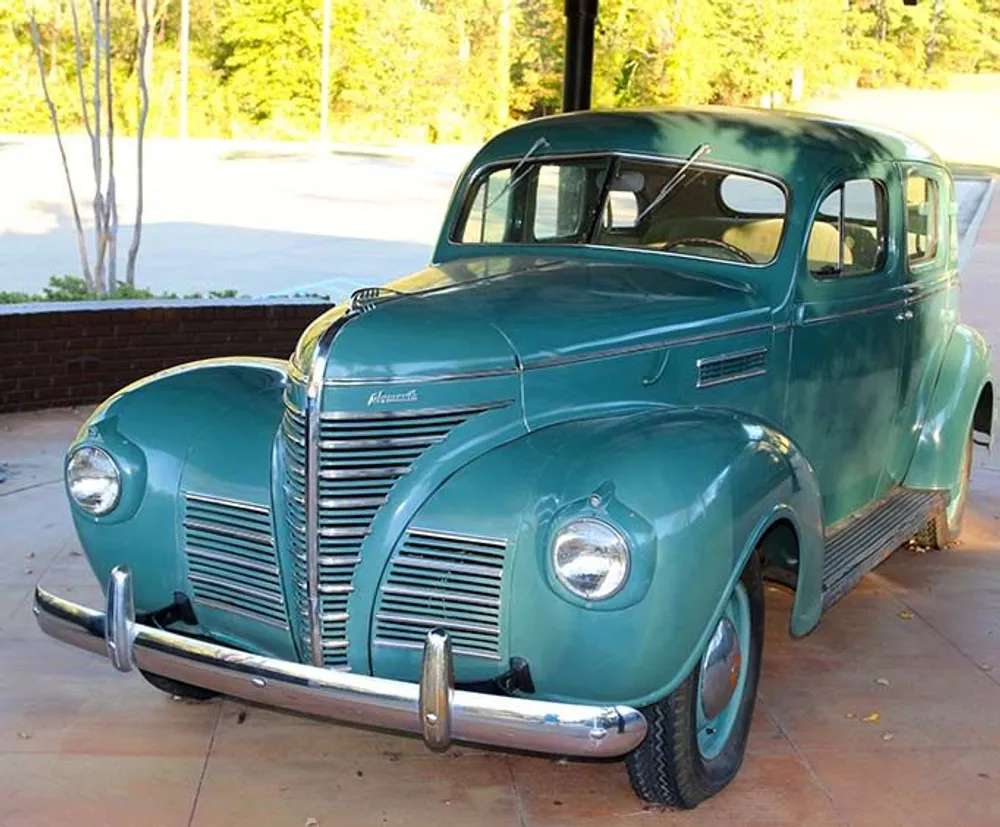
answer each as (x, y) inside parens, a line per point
(383, 398)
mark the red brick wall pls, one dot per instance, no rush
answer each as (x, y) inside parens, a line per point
(69, 354)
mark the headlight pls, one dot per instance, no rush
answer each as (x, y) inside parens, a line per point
(590, 558)
(93, 480)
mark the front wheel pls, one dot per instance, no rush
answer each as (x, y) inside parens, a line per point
(697, 735)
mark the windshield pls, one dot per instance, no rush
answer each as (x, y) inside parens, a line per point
(619, 202)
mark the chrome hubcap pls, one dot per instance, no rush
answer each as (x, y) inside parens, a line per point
(720, 669)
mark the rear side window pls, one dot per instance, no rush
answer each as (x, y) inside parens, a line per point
(848, 234)
(922, 218)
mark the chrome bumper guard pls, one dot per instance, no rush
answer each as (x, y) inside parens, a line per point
(432, 708)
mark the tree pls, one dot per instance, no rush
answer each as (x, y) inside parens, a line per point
(98, 114)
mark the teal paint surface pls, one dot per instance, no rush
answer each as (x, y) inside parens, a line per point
(590, 359)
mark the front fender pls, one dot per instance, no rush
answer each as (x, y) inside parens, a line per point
(212, 418)
(694, 490)
(965, 372)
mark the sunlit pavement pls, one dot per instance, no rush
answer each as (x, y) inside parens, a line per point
(889, 714)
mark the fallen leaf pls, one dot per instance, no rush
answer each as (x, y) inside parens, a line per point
(886, 736)
(241, 716)
(850, 715)
(30, 555)
(874, 718)
(311, 822)
(882, 681)
(75, 552)
(906, 615)
(562, 762)
(985, 667)
(23, 736)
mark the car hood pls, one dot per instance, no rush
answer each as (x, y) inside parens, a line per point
(496, 315)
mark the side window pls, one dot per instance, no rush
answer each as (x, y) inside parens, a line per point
(487, 221)
(560, 202)
(849, 232)
(922, 218)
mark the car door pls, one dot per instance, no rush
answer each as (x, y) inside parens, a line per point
(847, 342)
(928, 239)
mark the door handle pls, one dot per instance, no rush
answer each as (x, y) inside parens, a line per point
(904, 315)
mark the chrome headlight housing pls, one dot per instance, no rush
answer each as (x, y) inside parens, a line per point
(591, 558)
(93, 480)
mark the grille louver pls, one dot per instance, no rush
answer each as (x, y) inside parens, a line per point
(232, 563)
(361, 456)
(731, 366)
(439, 580)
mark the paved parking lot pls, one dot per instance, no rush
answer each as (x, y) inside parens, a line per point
(885, 716)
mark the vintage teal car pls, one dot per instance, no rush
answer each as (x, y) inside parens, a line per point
(528, 496)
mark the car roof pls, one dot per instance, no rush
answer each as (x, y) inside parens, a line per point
(788, 145)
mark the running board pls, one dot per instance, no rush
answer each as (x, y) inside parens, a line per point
(866, 540)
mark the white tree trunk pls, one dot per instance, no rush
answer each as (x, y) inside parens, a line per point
(133, 250)
(81, 241)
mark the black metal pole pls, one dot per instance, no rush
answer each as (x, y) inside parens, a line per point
(578, 65)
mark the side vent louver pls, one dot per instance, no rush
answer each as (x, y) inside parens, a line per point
(731, 366)
(232, 564)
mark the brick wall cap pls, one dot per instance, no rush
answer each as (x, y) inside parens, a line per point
(154, 304)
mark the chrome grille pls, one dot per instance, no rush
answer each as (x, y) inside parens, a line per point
(360, 458)
(232, 563)
(440, 580)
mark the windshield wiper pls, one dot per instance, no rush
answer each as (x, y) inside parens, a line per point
(671, 185)
(515, 179)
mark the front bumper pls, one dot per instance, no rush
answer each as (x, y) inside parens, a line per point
(432, 708)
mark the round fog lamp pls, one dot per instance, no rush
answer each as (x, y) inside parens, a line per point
(93, 480)
(590, 558)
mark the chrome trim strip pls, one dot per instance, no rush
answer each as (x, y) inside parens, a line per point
(432, 622)
(324, 589)
(457, 650)
(501, 721)
(351, 502)
(228, 531)
(450, 536)
(733, 377)
(441, 565)
(365, 473)
(274, 598)
(313, 432)
(384, 442)
(419, 380)
(416, 413)
(725, 357)
(344, 532)
(238, 504)
(223, 607)
(858, 311)
(221, 557)
(335, 644)
(629, 350)
(452, 597)
(336, 617)
(339, 559)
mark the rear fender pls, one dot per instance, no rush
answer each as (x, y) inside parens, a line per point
(962, 399)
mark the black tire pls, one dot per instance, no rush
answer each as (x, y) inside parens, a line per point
(943, 529)
(178, 689)
(668, 767)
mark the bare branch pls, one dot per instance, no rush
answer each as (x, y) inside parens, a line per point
(133, 251)
(100, 231)
(79, 70)
(111, 199)
(81, 241)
